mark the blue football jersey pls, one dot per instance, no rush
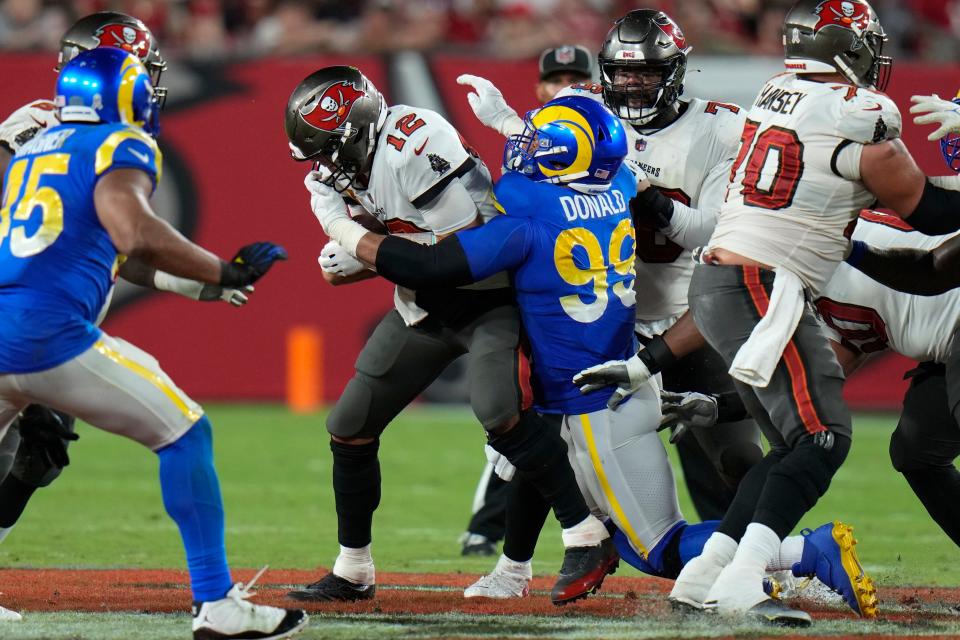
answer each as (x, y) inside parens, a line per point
(571, 258)
(57, 262)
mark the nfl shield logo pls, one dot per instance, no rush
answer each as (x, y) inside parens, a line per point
(566, 54)
(641, 144)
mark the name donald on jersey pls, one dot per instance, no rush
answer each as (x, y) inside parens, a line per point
(599, 205)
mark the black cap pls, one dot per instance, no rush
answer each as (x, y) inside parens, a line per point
(572, 58)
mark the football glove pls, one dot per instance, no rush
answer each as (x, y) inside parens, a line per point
(250, 264)
(46, 432)
(336, 260)
(627, 375)
(684, 410)
(490, 107)
(26, 122)
(194, 290)
(938, 111)
(501, 466)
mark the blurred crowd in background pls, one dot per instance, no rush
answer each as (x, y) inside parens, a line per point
(225, 29)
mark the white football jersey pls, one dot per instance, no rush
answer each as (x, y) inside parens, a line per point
(689, 161)
(418, 154)
(867, 317)
(796, 184)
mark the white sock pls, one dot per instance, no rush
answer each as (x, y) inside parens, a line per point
(758, 548)
(355, 565)
(719, 549)
(5, 531)
(791, 550)
(588, 533)
(522, 569)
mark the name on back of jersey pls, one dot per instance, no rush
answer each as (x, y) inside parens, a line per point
(773, 98)
(48, 142)
(598, 205)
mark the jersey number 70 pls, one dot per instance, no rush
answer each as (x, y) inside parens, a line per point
(23, 205)
(778, 191)
(619, 256)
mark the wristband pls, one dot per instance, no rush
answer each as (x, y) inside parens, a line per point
(164, 281)
(346, 233)
(858, 249)
(656, 355)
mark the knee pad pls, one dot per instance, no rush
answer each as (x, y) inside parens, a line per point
(812, 464)
(901, 451)
(348, 418)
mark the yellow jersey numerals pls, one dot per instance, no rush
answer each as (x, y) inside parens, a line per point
(46, 199)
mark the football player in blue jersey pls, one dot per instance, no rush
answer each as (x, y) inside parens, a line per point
(75, 203)
(34, 451)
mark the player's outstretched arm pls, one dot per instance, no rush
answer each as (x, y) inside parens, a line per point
(925, 273)
(890, 173)
(139, 273)
(121, 198)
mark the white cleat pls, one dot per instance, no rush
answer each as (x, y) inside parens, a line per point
(508, 579)
(233, 618)
(6, 615)
(692, 586)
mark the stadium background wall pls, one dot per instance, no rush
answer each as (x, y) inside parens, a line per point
(229, 180)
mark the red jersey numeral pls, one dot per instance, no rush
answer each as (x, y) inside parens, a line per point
(395, 142)
(409, 123)
(860, 328)
(713, 106)
(789, 153)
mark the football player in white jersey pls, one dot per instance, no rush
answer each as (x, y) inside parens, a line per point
(33, 452)
(820, 143)
(410, 170)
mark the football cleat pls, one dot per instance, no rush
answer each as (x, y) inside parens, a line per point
(508, 579)
(691, 587)
(476, 544)
(233, 618)
(6, 615)
(333, 588)
(775, 612)
(829, 554)
(583, 571)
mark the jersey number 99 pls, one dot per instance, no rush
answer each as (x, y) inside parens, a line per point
(45, 198)
(619, 256)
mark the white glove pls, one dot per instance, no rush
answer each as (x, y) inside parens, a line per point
(490, 107)
(501, 466)
(684, 410)
(26, 122)
(628, 375)
(194, 290)
(335, 259)
(938, 110)
(328, 206)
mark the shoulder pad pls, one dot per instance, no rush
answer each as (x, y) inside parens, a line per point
(24, 123)
(724, 120)
(128, 147)
(866, 116)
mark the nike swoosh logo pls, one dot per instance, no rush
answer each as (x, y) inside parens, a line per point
(419, 149)
(875, 107)
(143, 157)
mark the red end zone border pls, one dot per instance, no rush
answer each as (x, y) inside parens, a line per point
(163, 591)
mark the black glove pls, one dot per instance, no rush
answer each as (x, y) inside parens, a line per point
(651, 208)
(250, 264)
(47, 432)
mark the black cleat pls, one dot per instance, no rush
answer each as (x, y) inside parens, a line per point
(583, 571)
(775, 612)
(475, 544)
(333, 588)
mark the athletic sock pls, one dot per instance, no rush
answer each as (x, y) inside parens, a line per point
(356, 490)
(789, 554)
(191, 495)
(719, 549)
(590, 532)
(14, 496)
(758, 549)
(355, 565)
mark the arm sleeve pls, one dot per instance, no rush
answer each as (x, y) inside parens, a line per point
(691, 228)
(463, 258)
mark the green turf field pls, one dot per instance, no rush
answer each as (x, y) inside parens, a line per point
(105, 511)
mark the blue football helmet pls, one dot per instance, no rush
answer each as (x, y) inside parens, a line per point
(950, 147)
(573, 141)
(108, 85)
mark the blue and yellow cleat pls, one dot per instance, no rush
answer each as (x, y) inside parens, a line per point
(830, 556)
